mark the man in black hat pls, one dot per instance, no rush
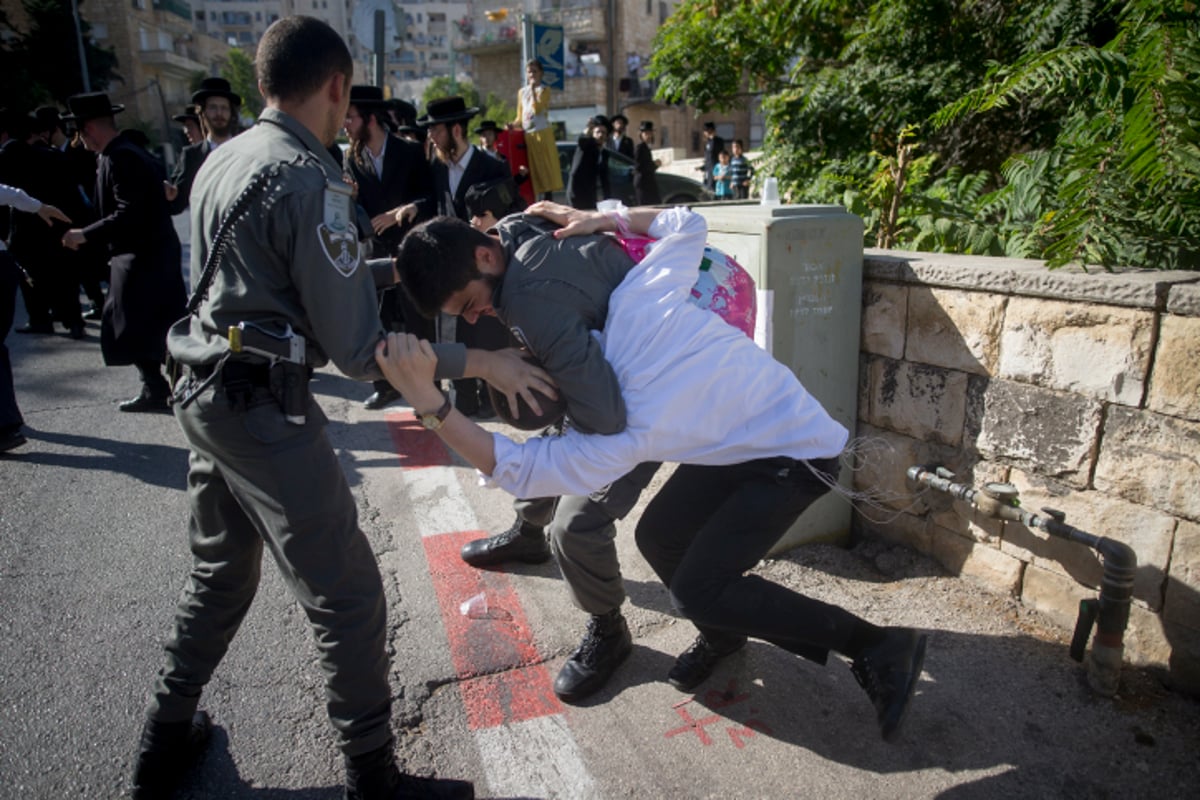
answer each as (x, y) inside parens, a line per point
(189, 123)
(395, 188)
(645, 165)
(618, 141)
(589, 166)
(458, 166)
(486, 132)
(146, 292)
(218, 105)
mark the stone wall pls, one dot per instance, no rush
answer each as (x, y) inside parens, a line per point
(1082, 389)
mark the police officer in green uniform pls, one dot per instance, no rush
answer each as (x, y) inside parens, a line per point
(262, 472)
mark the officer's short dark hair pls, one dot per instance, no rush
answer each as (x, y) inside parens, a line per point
(297, 55)
(437, 259)
(497, 197)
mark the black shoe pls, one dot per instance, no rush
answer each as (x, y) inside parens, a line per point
(165, 752)
(11, 439)
(75, 331)
(381, 398)
(605, 645)
(375, 776)
(695, 664)
(146, 402)
(36, 327)
(889, 672)
(521, 542)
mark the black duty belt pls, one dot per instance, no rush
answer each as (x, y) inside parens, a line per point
(235, 372)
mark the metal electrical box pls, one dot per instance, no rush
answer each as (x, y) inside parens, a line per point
(807, 264)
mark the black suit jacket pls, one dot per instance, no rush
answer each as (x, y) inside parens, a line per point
(624, 147)
(482, 168)
(588, 165)
(146, 292)
(185, 173)
(407, 178)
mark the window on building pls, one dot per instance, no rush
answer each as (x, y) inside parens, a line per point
(139, 4)
(649, 7)
(199, 16)
(664, 11)
(258, 16)
(99, 31)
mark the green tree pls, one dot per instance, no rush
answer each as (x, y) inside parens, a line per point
(238, 69)
(490, 107)
(42, 65)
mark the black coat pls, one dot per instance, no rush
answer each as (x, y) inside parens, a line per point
(146, 293)
(185, 173)
(645, 182)
(407, 178)
(482, 168)
(624, 147)
(589, 165)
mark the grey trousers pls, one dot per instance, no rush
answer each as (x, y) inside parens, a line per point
(582, 534)
(256, 480)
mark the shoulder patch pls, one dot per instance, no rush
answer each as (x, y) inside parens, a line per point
(337, 233)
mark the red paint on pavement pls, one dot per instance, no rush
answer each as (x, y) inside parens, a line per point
(416, 447)
(502, 676)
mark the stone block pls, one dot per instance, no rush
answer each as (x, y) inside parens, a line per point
(1146, 643)
(1182, 603)
(905, 529)
(1151, 459)
(1147, 531)
(954, 329)
(882, 461)
(1175, 384)
(921, 401)
(885, 308)
(1184, 298)
(1040, 430)
(980, 562)
(1130, 287)
(1094, 350)
(1055, 595)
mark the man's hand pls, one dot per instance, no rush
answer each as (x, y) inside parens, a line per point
(73, 238)
(405, 213)
(381, 222)
(509, 373)
(409, 363)
(170, 190)
(572, 221)
(51, 213)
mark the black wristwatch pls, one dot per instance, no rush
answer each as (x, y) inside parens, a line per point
(437, 419)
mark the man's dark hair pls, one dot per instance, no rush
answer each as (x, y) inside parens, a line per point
(297, 55)
(497, 196)
(437, 259)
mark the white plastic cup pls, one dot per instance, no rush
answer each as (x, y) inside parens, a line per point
(770, 192)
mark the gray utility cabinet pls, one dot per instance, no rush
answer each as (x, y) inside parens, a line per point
(809, 261)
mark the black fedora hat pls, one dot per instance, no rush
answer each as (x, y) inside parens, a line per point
(215, 87)
(189, 112)
(47, 117)
(621, 117)
(446, 109)
(366, 96)
(646, 125)
(405, 111)
(90, 105)
(600, 121)
(488, 125)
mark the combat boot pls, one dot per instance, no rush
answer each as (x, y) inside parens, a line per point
(375, 776)
(166, 751)
(521, 542)
(889, 672)
(606, 644)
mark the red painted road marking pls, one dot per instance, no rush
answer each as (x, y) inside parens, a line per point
(416, 447)
(502, 679)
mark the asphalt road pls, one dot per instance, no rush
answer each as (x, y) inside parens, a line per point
(93, 552)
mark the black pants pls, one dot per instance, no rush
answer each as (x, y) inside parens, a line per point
(10, 414)
(709, 525)
(398, 313)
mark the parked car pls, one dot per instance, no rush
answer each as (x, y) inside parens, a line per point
(674, 189)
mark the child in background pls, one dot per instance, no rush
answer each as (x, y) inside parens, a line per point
(740, 171)
(721, 183)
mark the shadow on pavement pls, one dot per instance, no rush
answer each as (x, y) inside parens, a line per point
(216, 775)
(155, 464)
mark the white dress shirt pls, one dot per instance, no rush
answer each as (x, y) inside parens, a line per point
(457, 168)
(18, 199)
(697, 390)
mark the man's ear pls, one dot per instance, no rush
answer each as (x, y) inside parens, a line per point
(487, 260)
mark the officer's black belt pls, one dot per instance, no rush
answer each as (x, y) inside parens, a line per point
(235, 372)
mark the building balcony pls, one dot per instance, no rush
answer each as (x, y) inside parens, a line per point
(582, 21)
(170, 63)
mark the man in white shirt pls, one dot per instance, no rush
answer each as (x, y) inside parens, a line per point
(754, 448)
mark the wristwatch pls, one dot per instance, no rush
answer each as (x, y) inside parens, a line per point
(435, 420)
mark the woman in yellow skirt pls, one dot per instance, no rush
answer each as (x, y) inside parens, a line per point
(533, 105)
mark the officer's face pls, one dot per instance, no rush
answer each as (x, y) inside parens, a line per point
(474, 301)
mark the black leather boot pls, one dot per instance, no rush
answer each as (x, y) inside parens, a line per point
(375, 776)
(166, 751)
(889, 671)
(521, 542)
(606, 644)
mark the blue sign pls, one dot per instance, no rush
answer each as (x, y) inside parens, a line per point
(548, 49)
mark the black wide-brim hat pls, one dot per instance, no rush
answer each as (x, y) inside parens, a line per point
(89, 106)
(487, 125)
(621, 117)
(215, 87)
(646, 125)
(600, 121)
(188, 113)
(446, 110)
(367, 96)
(404, 110)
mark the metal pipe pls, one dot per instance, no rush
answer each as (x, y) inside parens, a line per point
(1109, 612)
